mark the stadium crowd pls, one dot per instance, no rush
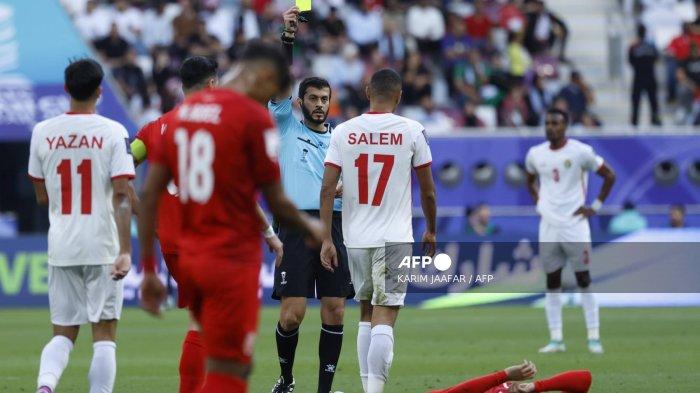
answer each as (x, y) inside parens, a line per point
(476, 63)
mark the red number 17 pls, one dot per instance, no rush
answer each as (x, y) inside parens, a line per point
(362, 164)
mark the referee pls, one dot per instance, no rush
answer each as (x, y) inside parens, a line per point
(299, 275)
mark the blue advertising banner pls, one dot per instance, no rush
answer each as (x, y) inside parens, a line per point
(35, 48)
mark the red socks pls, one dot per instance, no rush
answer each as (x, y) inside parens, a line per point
(191, 363)
(477, 385)
(220, 383)
(571, 381)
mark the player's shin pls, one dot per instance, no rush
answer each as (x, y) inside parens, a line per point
(364, 337)
(590, 313)
(286, 349)
(553, 311)
(329, 346)
(103, 368)
(54, 359)
(191, 363)
(379, 358)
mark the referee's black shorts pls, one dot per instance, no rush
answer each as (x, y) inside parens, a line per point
(300, 273)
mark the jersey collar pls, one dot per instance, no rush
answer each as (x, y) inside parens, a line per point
(560, 147)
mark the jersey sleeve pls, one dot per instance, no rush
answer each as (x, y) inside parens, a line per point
(263, 150)
(35, 170)
(333, 156)
(421, 151)
(282, 112)
(591, 160)
(530, 163)
(121, 162)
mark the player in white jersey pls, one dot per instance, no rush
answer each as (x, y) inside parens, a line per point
(562, 165)
(375, 153)
(81, 165)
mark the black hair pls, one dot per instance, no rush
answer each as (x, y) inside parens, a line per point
(557, 111)
(385, 83)
(256, 50)
(82, 78)
(196, 70)
(641, 31)
(315, 82)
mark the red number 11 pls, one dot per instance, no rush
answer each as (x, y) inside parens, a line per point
(362, 164)
(85, 172)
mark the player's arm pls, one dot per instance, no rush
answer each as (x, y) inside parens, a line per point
(608, 174)
(481, 384)
(285, 212)
(42, 196)
(329, 257)
(122, 216)
(428, 202)
(532, 186)
(152, 290)
(36, 172)
(273, 242)
(291, 23)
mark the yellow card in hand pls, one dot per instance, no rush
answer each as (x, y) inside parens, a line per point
(304, 5)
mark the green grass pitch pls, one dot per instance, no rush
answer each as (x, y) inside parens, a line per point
(647, 350)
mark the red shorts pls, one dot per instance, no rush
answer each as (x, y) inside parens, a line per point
(183, 297)
(224, 300)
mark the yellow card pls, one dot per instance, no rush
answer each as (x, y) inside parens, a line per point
(304, 5)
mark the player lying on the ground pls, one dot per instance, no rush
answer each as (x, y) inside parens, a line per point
(506, 381)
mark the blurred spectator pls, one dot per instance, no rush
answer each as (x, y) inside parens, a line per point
(158, 24)
(544, 30)
(479, 221)
(185, 24)
(678, 50)
(129, 20)
(510, 17)
(112, 47)
(455, 49)
(514, 111)
(540, 99)
(519, 59)
(351, 68)
(333, 25)
(590, 120)
(578, 96)
(94, 23)
(327, 62)
(130, 78)
(392, 45)
(676, 216)
(365, 26)
(426, 24)
(689, 82)
(434, 120)
(478, 24)
(627, 221)
(469, 117)
(416, 79)
(164, 77)
(642, 56)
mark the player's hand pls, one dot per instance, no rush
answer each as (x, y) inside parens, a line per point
(153, 293)
(339, 190)
(584, 211)
(525, 370)
(429, 243)
(291, 21)
(276, 246)
(120, 267)
(329, 256)
(522, 388)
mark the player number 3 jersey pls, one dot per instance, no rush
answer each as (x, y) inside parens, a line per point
(376, 152)
(77, 156)
(563, 176)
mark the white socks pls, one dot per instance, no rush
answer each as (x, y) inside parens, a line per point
(381, 353)
(54, 359)
(590, 313)
(103, 368)
(552, 307)
(363, 339)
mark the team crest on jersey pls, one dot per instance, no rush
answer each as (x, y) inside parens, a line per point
(567, 163)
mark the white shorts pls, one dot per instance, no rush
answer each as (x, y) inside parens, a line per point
(82, 294)
(559, 245)
(374, 279)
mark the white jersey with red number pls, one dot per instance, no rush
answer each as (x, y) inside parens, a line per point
(563, 177)
(77, 156)
(376, 152)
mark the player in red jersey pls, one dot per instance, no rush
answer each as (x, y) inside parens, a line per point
(221, 151)
(196, 73)
(506, 381)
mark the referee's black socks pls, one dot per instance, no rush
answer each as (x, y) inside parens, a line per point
(329, 345)
(286, 348)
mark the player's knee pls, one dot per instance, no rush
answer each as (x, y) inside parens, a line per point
(332, 314)
(291, 319)
(583, 279)
(554, 280)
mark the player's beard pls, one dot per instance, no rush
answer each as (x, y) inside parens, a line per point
(308, 116)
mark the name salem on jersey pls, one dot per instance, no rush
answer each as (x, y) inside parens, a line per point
(74, 141)
(381, 138)
(200, 113)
